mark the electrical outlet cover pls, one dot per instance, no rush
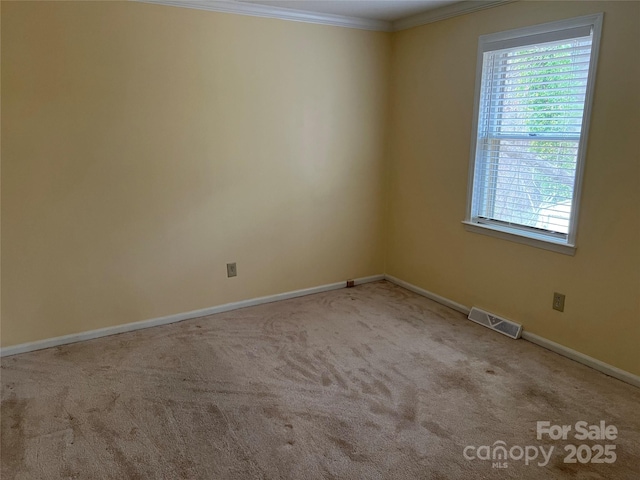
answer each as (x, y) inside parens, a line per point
(558, 301)
(231, 270)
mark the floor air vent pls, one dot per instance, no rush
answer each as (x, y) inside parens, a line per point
(506, 327)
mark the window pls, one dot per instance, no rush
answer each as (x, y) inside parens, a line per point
(533, 98)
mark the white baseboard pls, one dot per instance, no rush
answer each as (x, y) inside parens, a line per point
(531, 337)
(130, 327)
(372, 278)
(582, 358)
(155, 322)
(425, 293)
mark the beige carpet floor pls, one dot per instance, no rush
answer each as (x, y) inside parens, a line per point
(362, 383)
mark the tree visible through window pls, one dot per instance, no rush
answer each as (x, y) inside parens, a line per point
(531, 103)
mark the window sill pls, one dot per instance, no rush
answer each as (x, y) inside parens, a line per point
(510, 235)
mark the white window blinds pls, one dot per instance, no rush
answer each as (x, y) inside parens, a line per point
(530, 119)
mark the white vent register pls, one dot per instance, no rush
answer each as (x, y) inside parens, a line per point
(489, 320)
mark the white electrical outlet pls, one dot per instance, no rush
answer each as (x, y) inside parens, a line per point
(558, 301)
(231, 270)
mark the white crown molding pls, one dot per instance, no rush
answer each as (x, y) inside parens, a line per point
(448, 11)
(255, 10)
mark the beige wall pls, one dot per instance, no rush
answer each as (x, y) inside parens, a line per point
(144, 147)
(433, 73)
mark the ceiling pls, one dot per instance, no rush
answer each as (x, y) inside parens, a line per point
(385, 10)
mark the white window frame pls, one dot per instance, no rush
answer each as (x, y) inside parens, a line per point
(496, 41)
